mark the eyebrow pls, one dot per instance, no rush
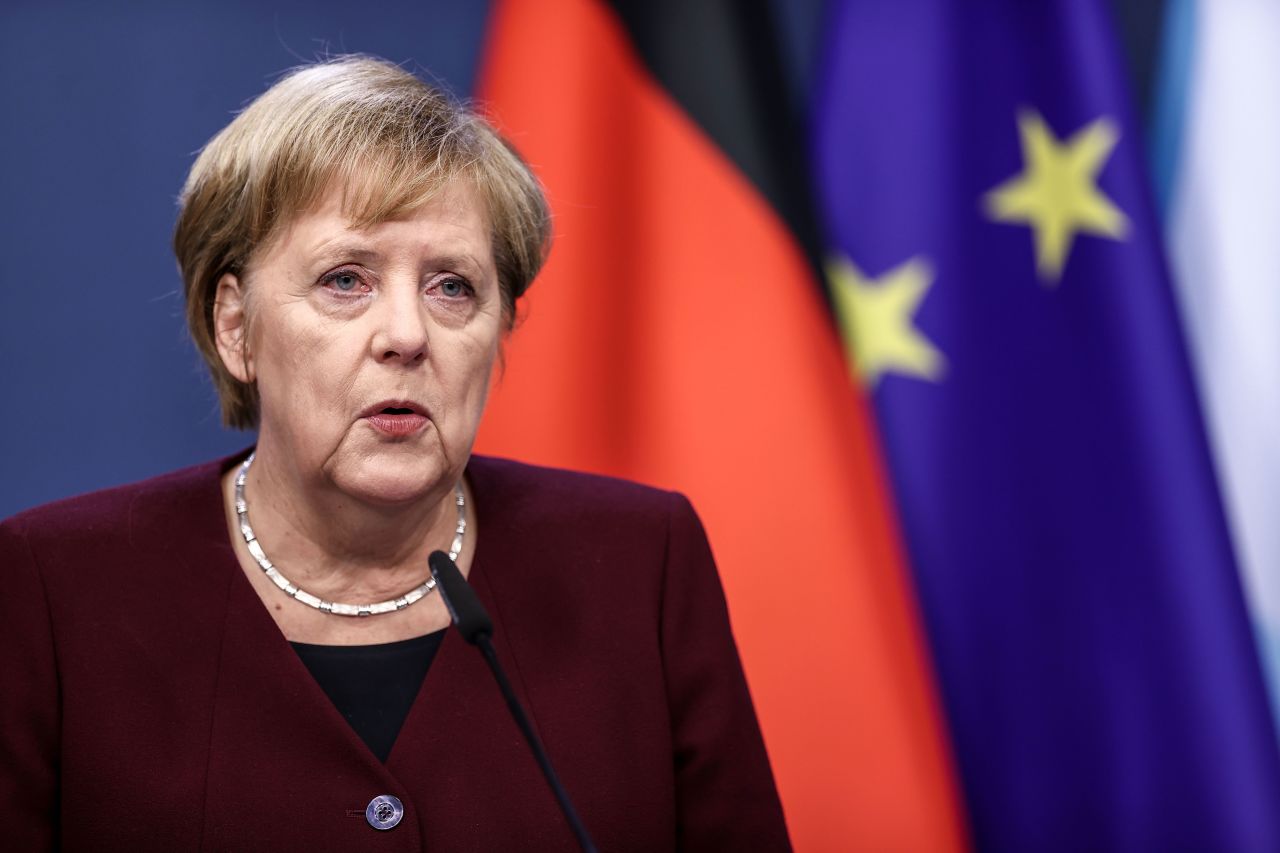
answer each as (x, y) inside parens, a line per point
(334, 253)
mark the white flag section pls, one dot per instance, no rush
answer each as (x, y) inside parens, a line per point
(1224, 243)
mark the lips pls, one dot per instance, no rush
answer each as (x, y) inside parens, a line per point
(396, 418)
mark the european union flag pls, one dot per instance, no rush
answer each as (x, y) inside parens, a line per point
(997, 267)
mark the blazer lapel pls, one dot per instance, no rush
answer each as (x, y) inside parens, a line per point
(275, 731)
(475, 780)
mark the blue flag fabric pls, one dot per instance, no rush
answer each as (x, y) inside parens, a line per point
(997, 267)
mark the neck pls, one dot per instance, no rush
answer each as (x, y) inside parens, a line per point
(321, 537)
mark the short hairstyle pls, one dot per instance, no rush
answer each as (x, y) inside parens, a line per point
(391, 140)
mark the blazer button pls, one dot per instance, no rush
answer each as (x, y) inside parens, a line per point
(384, 812)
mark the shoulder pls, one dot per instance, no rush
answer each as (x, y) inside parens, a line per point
(523, 488)
(122, 514)
(572, 534)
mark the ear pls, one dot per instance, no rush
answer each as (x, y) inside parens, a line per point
(231, 328)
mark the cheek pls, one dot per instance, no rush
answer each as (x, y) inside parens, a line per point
(480, 386)
(484, 356)
(307, 364)
(474, 369)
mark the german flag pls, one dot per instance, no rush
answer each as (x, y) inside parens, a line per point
(679, 336)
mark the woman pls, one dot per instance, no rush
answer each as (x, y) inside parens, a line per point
(247, 654)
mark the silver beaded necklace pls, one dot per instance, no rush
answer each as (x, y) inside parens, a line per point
(294, 591)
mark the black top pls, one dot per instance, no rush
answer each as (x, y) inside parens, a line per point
(373, 687)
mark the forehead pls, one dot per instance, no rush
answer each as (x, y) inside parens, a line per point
(451, 221)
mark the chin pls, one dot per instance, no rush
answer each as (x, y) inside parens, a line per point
(391, 484)
(391, 494)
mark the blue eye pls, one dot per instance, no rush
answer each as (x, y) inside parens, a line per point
(454, 287)
(345, 281)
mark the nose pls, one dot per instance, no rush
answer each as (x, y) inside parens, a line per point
(401, 332)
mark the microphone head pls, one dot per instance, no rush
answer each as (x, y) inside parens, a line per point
(467, 612)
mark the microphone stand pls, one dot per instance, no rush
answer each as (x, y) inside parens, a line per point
(475, 626)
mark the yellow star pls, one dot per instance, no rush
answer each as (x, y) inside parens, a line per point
(1057, 193)
(875, 320)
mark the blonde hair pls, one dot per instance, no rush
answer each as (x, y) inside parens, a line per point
(389, 139)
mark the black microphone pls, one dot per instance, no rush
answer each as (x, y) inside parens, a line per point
(475, 626)
(465, 609)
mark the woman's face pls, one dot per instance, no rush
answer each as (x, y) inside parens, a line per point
(372, 348)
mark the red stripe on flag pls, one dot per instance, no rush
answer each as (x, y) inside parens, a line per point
(676, 338)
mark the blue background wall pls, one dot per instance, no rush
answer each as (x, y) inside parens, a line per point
(104, 107)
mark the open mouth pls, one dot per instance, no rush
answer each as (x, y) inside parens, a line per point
(397, 421)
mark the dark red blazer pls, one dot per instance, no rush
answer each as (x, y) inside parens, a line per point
(149, 702)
